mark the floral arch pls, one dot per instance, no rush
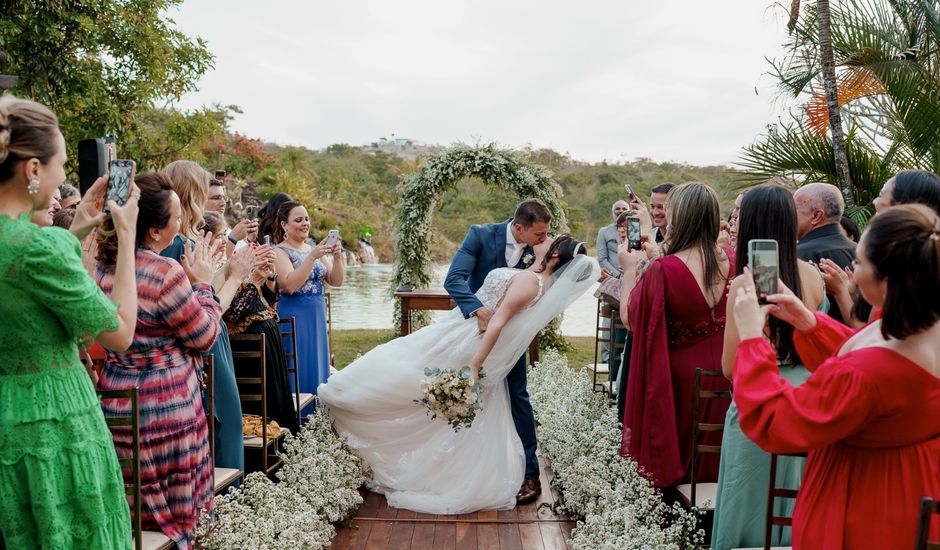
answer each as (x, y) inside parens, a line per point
(422, 191)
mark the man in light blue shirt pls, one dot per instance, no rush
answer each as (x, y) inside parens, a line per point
(608, 241)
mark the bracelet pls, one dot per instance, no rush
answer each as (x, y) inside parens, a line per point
(232, 240)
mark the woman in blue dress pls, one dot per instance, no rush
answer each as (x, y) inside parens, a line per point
(301, 271)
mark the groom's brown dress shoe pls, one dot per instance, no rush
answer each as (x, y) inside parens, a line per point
(530, 490)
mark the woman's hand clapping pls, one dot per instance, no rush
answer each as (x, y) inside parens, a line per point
(197, 261)
(838, 280)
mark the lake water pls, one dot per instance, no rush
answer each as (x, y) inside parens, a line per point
(363, 301)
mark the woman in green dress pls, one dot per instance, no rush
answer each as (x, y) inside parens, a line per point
(766, 212)
(60, 483)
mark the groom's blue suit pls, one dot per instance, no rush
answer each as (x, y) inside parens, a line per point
(483, 250)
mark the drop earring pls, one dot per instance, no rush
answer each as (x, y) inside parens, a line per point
(33, 187)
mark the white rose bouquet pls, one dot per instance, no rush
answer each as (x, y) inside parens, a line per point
(451, 394)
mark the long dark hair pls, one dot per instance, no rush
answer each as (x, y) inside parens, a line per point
(281, 216)
(917, 186)
(903, 245)
(567, 248)
(268, 215)
(769, 212)
(153, 212)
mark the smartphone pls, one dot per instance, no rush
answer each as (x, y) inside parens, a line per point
(763, 261)
(267, 240)
(251, 211)
(332, 238)
(220, 175)
(633, 233)
(121, 174)
(629, 189)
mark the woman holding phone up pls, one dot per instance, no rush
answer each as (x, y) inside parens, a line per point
(301, 271)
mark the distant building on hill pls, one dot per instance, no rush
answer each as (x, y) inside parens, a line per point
(408, 149)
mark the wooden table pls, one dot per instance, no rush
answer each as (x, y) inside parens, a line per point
(439, 300)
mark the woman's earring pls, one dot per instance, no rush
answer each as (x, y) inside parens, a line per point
(33, 186)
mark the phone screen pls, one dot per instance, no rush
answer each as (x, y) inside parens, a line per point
(121, 172)
(764, 265)
(633, 233)
(251, 212)
(332, 237)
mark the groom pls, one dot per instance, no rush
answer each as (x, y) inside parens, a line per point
(487, 247)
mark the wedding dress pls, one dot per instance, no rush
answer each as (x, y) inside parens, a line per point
(421, 463)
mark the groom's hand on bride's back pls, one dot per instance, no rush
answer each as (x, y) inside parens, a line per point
(483, 316)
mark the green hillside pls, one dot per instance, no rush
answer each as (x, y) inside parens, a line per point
(355, 189)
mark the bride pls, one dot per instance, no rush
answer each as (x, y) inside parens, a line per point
(420, 463)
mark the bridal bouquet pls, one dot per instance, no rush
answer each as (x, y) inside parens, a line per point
(451, 394)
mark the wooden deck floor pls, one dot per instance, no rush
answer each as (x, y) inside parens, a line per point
(379, 526)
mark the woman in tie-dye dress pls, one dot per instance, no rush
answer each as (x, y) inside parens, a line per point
(178, 318)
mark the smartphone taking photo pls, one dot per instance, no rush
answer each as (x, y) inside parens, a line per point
(120, 177)
(763, 261)
(332, 238)
(630, 192)
(251, 211)
(633, 233)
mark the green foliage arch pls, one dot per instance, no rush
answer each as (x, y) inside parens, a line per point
(421, 194)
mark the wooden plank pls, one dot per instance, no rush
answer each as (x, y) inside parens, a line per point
(466, 536)
(552, 536)
(487, 515)
(507, 514)
(353, 537)
(566, 529)
(370, 504)
(400, 535)
(509, 537)
(384, 510)
(406, 514)
(423, 536)
(445, 536)
(531, 537)
(378, 538)
(487, 537)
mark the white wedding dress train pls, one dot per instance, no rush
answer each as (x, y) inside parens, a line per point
(420, 463)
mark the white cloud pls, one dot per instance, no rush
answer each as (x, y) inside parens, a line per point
(600, 79)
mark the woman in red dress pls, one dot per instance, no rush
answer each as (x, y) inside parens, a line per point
(869, 415)
(676, 311)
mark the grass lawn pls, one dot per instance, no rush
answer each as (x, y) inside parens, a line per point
(349, 344)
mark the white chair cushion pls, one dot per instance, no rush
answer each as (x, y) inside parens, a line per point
(705, 494)
(155, 540)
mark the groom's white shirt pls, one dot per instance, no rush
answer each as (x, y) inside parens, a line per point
(513, 247)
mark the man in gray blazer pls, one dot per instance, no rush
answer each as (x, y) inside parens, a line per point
(607, 242)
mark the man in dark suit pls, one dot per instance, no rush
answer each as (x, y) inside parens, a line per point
(487, 247)
(819, 209)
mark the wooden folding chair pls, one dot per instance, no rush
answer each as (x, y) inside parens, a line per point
(150, 540)
(223, 478)
(602, 335)
(288, 328)
(928, 508)
(694, 494)
(248, 352)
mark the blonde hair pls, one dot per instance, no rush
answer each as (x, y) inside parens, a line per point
(191, 183)
(27, 130)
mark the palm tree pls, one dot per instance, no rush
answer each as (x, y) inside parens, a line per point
(823, 20)
(886, 66)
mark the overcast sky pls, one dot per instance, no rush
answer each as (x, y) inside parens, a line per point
(615, 80)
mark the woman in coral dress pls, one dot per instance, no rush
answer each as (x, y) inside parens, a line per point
(869, 415)
(677, 314)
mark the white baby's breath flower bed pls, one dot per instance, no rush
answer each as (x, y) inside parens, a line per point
(578, 431)
(318, 486)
